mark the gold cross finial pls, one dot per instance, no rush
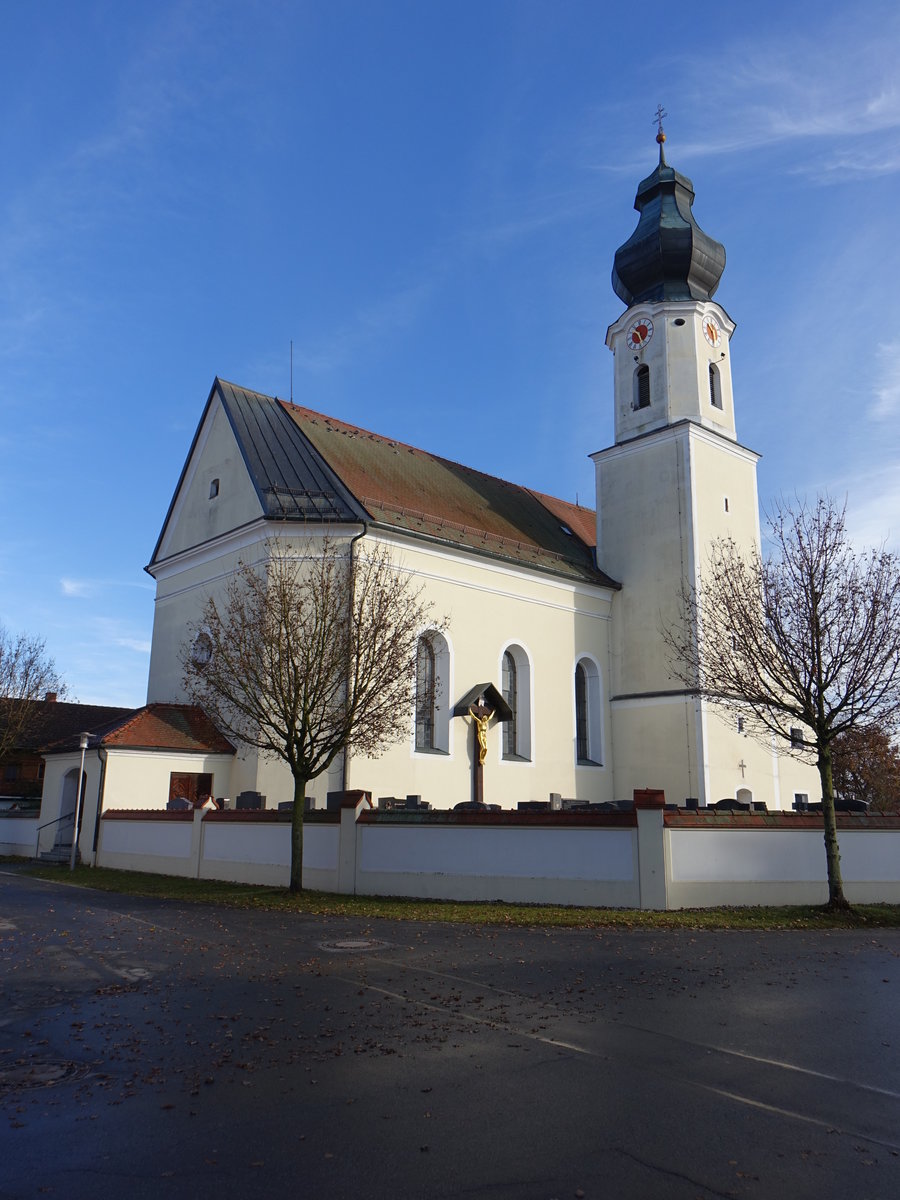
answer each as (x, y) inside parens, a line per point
(660, 135)
(658, 120)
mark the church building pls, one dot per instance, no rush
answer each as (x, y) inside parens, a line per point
(557, 609)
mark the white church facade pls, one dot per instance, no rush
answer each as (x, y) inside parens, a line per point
(558, 607)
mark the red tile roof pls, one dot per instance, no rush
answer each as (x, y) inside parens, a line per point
(168, 727)
(411, 489)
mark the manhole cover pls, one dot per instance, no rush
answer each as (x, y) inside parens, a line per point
(353, 944)
(40, 1074)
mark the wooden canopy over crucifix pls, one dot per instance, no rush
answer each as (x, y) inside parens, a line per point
(480, 704)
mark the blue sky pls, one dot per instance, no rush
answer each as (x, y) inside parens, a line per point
(426, 197)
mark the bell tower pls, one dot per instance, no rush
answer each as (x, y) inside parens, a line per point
(675, 479)
(671, 344)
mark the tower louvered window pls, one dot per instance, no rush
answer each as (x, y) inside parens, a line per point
(715, 387)
(642, 387)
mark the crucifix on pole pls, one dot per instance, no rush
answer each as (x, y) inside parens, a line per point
(481, 716)
(481, 704)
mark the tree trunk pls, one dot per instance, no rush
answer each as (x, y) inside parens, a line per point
(836, 897)
(296, 884)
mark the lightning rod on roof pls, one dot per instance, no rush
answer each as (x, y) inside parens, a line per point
(292, 370)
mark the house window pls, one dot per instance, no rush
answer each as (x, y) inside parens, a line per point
(796, 738)
(11, 772)
(213, 489)
(740, 724)
(642, 387)
(432, 724)
(190, 785)
(515, 684)
(715, 386)
(588, 744)
(801, 801)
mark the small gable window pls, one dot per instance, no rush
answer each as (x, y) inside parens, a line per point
(213, 489)
(642, 387)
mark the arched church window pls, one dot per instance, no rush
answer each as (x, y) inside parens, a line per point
(425, 695)
(642, 387)
(508, 687)
(515, 684)
(588, 742)
(432, 725)
(715, 386)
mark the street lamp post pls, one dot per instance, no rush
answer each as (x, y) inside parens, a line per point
(83, 740)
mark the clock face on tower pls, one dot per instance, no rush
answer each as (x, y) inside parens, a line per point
(639, 333)
(711, 331)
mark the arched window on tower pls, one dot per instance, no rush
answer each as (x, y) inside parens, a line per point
(715, 386)
(432, 723)
(588, 739)
(642, 387)
(515, 684)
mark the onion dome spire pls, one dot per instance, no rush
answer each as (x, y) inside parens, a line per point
(668, 257)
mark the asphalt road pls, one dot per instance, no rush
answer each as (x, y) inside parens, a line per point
(156, 1049)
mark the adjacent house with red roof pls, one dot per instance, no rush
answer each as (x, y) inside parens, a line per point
(133, 758)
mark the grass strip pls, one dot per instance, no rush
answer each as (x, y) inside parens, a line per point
(248, 896)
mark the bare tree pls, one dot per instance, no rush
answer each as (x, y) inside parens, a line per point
(26, 676)
(805, 643)
(307, 653)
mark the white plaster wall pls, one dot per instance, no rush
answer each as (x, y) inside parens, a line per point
(530, 853)
(536, 865)
(248, 843)
(183, 586)
(153, 839)
(772, 866)
(243, 852)
(197, 517)
(260, 853)
(18, 834)
(139, 779)
(57, 766)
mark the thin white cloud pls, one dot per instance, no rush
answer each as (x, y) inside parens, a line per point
(81, 588)
(887, 391)
(831, 98)
(138, 645)
(86, 588)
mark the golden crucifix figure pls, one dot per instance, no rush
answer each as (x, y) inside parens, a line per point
(481, 716)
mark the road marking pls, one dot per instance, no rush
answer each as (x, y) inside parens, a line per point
(796, 1116)
(786, 1066)
(637, 1029)
(558, 1044)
